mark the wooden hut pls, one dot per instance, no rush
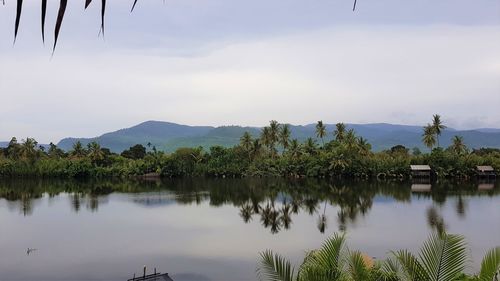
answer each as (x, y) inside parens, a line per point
(485, 172)
(420, 171)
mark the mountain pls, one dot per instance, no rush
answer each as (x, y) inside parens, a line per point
(170, 136)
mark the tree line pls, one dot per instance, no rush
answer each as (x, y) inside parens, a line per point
(273, 153)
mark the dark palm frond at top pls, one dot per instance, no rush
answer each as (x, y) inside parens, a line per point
(60, 16)
(44, 12)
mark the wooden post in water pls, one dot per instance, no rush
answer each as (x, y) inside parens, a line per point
(144, 274)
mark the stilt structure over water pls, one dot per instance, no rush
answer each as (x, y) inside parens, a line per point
(420, 171)
(486, 172)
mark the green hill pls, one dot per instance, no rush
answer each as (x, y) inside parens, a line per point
(170, 136)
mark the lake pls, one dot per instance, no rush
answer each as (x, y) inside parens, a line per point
(203, 229)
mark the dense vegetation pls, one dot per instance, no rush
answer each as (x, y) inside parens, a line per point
(274, 153)
(443, 257)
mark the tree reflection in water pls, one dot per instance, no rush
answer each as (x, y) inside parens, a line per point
(274, 202)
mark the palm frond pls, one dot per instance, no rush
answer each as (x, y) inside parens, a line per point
(60, 17)
(357, 269)
(103, 13)
(389, 270)
(133, 6)
(18, 17)
(443, 256)
(44, 12)
(328, 262)
(411, 267)
(274, 267)
(490, 266)
(87, 3)
(332, 251)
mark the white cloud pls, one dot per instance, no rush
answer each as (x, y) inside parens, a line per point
(400, 74)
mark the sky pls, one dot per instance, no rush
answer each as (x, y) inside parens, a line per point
(235, 62)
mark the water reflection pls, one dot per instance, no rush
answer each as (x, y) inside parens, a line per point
(103, 230)
(273, 202)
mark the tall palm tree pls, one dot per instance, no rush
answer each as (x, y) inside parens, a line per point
(29, 148)
(78, 150)
(284, 136)
(351, 140)
(458, 146)
(294, 149)
(321, 131)
(438, 126)
(256, 148)
(95, 152)
(274, 128)
(339, 133)
(246, 142)
(429, 138)
(266, 138)
(364, 146)
(310, 146)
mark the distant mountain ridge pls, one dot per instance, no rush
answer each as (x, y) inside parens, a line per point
(168, 136)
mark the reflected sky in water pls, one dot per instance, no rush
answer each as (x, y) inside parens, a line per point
(215, 229)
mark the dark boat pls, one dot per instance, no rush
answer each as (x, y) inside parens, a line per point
(156, 276)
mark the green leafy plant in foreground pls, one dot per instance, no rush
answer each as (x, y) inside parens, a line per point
(443, 257)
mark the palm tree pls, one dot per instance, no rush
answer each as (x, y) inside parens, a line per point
(29, 148)
(364, 145)
(321, 131)
(310, 146)
(339, 132)
(256, 148)
(428, 138)
(78, 150)
(294, 149)
(266, 138)
(95, 152)
(284, 136)
(458, 146)
(246, 142)
(351, 140)
(274, 128)
(438, 126)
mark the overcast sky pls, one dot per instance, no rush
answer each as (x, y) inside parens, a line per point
(223, 62)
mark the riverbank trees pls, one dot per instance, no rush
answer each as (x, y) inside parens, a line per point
(276, 152)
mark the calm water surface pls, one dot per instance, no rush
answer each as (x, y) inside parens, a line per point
(215, 229)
